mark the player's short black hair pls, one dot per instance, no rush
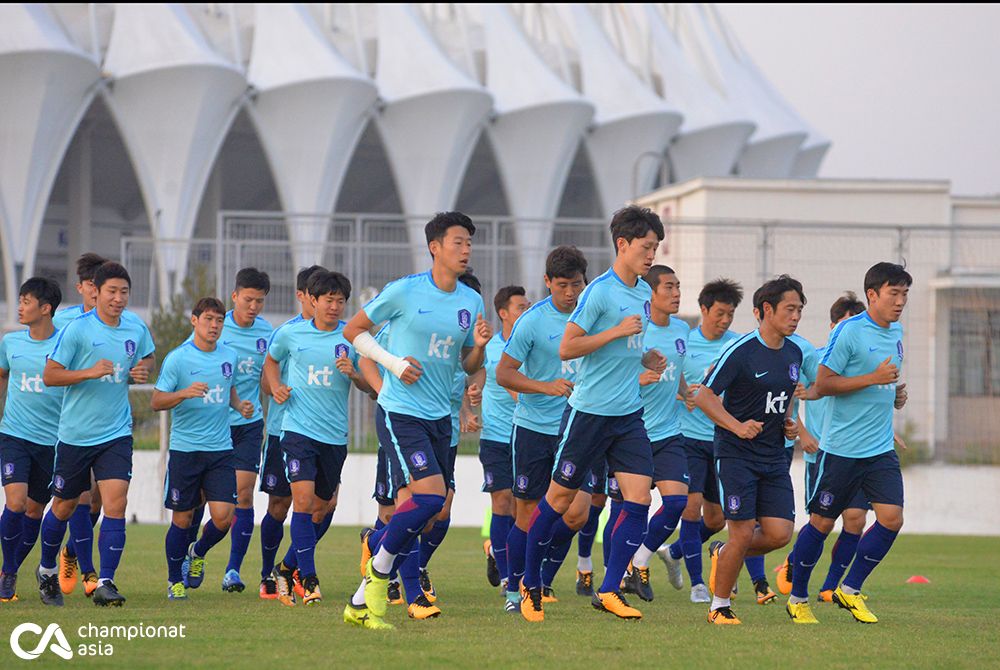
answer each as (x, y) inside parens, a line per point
(771, 291)
(302, 278)
(885, 273)
(46, 291)
(654, 273)
(471, 280)
(442, 221)
(565, 262)
(87, 264)
(323, 282)
(502, 299)
(633, 221)
(846, 305)
(111, 270)
(723, 290)
(208, 304)
(253, 278)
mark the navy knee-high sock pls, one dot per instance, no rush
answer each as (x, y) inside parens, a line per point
(755, 568)
(111, 546)
(562, 540)
(690, 543)
(615, 512)
(304, 542)
(52, 532)
(840, 559)
(240, 534)
(626, 536)
(271, 533)
(196, 518)
(517, 546)
(409, 570)
(176, 546)
(540, 528)
(81, 538)
(664, 522)
(808, 548)
(431, 540)
(410, 518)
(29, 535)
(585, 538)
(211, 535)
(872, 548)
(11, 528)
(499, 530)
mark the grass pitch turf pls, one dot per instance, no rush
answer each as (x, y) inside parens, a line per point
(952, 622)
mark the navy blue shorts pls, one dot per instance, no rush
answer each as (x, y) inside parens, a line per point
(191, 472)
(812, 473)
(839, 480)
(418, 448)
(670, 462)
(701, 469)
(248, 441)
(533, 457)
(309, 460)
(752, 490)
(614, 492)
(384, 493)
(272, 469)
(789, 455)
(498, 465)
(586, 438)
(449, 467)
(73, 464)
(597, 483)
(24, 462)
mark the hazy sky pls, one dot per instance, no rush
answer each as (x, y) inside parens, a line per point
(908, 91)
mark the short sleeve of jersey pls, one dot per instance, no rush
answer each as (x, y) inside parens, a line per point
(65, 348)
(388, 303)
(810, 364)
(725, 372)
(840, 349)
(521, 341)
(4, 362)
(167, 381)
(278, 350)
(470, 337)
(146, 346)
(590, 308)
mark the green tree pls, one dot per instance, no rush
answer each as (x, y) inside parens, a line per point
(171, 325)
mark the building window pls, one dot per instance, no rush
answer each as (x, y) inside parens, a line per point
(975, 353)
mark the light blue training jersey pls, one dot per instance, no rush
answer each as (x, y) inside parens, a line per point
(250, 345)
(662, 414)
(859, 424)
(432, 326)
(498, 404)
(32, 408)
(816, 410)
(317, 406)
(457, 394)
(96, 411)
(807, 373)
(702, 354)
(607, 381)
(534, 342)
(275, 411)
(64, 316)
(199, 424)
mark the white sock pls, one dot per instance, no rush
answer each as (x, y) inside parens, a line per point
(584, 564)
(849, 591)
(358, 599)
(641, 557)
(383, 560)
(102, 581)
(42, 570)
(795, 600)
(718, 602)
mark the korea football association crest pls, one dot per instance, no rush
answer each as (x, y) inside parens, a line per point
(646, 309)
(227, 370)
(522, 483)
(272, 481)
(733, 502)
(8, 469)
(340, 351)
(175, 496)
(567, 469)
(261, 345)
(293, 466)
(899, 348)
(793, 372)
(58, 482)
(130, 348)
(464, 319)
(419, 460)
(489, 478)
(825, 499)
(613, 485)
(681, 346)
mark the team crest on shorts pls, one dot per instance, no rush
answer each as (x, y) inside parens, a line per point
(613, 484)
(272, 481)
(8, 469)
(380, 489)
(646, 309)
(592, 480)
(734, 503)
(567, 469)
(130, 348)
(793, 372)
(340, 351)
(825, 498)
(899, 348)
(293, 466)
(227, 369)
(261, 345)
(419, 460)
(464, 319)
(681, 346)
(58, 482)
(522, 482)
(489, 478)
(175, 495)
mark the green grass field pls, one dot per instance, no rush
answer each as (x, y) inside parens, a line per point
(951, 622)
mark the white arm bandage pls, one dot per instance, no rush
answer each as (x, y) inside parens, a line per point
(366, 345)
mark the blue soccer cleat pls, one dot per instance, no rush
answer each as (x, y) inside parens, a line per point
(232, 582)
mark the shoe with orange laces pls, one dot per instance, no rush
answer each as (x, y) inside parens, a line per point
(89, 583)
(614, 602)
(68, 570)
(297, 586)
(785, 578)
(531, 605)
(268, 589)
(723, 616)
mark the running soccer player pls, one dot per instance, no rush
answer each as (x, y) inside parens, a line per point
(661, 415)
(88, 512)
(860, 371)
(196, 384)
(702, 517)
(314, 426)
(29, 427)
(603, 417)
(531, 367)
(436, 325)
(273, 480)
(494, 440)
(246, 332)
(94, 358)
(758, 375)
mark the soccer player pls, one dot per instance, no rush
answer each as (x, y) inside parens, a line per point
(661, 415)
(860, 370)
(758, 375)
(436, 326)
(314, 426)
(494, 440)
(29, 427)
(273, 480)
(603, 417)
(94, 357)
(246, 332)
(531, 367)
(196, 384)
(702, 517)
(88, 512)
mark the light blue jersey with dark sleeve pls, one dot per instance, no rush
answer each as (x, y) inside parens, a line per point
(432, 326)
(317, 406)
(816, 410)
(32, 408)
(96, 411)
(64, 316)
(607, 381)
(859, 424)
(199, 424)
(702, 354)
(498, 404)
(662, 414)
(534, 342)
(275, 411)
(808, 373)
(250, 345)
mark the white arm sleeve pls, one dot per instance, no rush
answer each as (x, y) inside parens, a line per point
(366, 345)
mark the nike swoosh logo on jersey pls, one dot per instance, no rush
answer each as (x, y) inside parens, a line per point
(870, 349)
(303, 348)
(622, 309)
(424, 311)
(552, 337)
(758, 375)
(695, 355)
(13, 356)
(196, 372)
(96, 344)
(227, 342)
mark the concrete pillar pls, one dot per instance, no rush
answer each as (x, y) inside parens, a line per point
(80, 220)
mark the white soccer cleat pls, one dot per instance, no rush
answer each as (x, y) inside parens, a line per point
(700, 594)
(674, 574)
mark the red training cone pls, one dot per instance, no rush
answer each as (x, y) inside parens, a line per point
(918, 579)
